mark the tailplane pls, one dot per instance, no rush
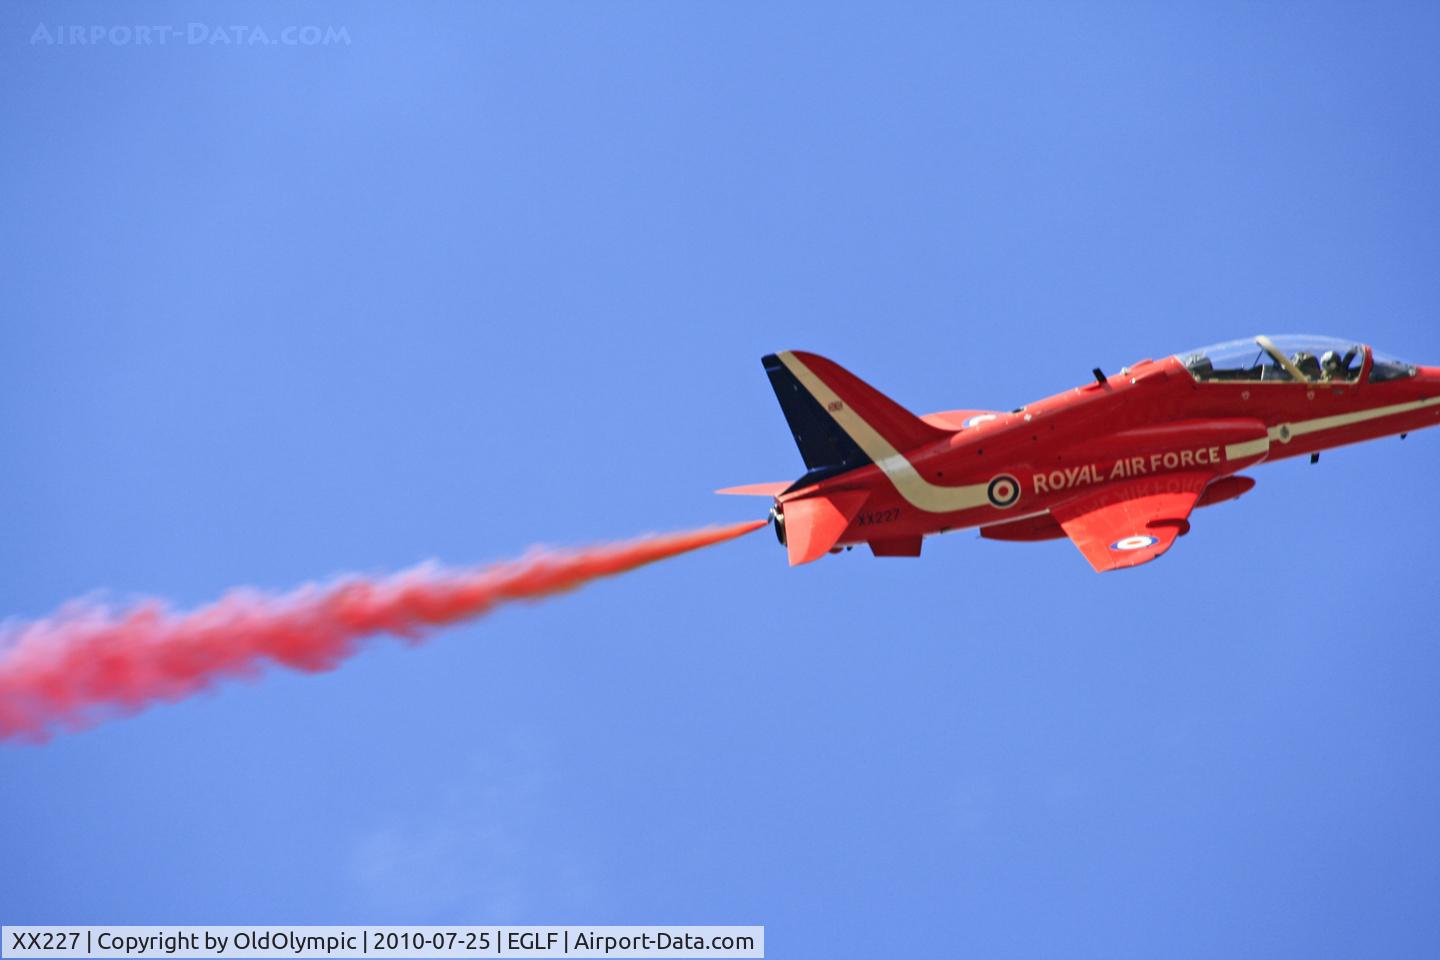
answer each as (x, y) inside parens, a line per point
(810, 527)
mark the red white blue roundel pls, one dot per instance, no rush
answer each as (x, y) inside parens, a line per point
(1003, 491)
(1133, 543)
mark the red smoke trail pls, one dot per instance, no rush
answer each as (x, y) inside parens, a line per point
(89, 661)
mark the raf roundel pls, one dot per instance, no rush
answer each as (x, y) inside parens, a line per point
(1133, 543)
(1003, 491)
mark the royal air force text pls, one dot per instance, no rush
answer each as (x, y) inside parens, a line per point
(1125, 468)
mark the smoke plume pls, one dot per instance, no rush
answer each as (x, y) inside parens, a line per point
(89, 661)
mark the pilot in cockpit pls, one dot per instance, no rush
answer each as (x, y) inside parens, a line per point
(1306, 363)
(1335, 366)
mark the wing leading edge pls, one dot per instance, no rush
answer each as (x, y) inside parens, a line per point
(1132, 522)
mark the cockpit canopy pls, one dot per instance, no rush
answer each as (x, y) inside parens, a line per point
(1288, 359)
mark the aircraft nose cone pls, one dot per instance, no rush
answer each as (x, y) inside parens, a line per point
(1431, 376)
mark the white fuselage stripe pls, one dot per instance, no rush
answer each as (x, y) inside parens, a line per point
(918, 491)
(1350, 419)
(1248, 449)
(1286, 432)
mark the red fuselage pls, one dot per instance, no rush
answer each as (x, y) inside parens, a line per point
(1156, 424)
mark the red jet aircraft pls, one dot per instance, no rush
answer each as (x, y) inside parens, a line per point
(1116, 465)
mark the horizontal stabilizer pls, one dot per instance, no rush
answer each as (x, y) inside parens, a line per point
(757, 489)
(815, 524)
(961, 419)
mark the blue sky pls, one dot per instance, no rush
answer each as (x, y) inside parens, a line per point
(501, 273)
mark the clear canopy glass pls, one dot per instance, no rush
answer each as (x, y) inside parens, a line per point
(1280, 359)
(1387, 367)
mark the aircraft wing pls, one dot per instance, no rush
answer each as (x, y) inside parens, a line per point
(1130, 522)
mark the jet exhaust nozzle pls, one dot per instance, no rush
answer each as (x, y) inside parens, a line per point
(777, 517)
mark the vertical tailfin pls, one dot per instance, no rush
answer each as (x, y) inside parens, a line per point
(839, 421)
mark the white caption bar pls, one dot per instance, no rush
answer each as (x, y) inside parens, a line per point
(359, 941)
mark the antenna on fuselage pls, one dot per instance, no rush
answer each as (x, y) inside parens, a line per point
(1100, 377)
